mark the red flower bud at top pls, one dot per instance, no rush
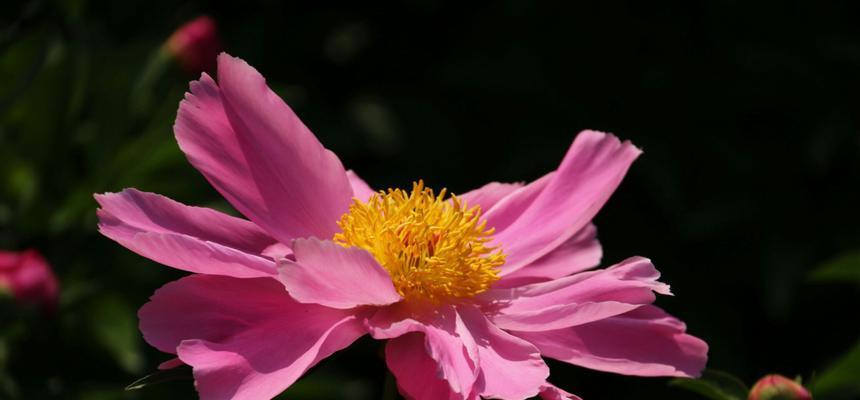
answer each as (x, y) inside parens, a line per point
(29, 278)
(195, 45)
(774, 387)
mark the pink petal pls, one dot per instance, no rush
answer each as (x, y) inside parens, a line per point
(188, 238)
(592, 169)
(328, 274)
(507, 209)
(643, 342)
(511, 368)
(209, 141)
(579, 253)
(360, 189)
(577, 299)
(551, 392)
(415, 371)
(245, 338)
(488, 195)
(446, 339)
(304, 186)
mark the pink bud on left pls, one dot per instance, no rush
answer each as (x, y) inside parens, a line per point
(29, 278)
(195, 45)
(773, 387)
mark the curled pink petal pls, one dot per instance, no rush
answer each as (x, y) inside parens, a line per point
(328, 274)
(643, 342)
(577, 299)
(592, 169)
(244, 338)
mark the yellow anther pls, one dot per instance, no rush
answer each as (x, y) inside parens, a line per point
(434, 248)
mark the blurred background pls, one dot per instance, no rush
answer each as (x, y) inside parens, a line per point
(746, 197)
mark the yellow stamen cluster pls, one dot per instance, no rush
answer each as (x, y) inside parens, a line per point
(434, 248)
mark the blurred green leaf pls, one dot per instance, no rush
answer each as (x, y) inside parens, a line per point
(115, 327)
(843, 268)
(841, 380)
(715, 385)
(167, 375)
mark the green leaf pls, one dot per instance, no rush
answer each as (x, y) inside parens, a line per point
(114, 325)
(840, 380)
(167, 375)
(715, 385)
(843, 268)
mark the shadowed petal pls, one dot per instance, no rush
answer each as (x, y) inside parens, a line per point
(446, 340)
(643, 342)
(511, 368)
(551, 392)
(245, 338)
(577, 299)
(328, 274)
(304, 186)
(415, 371)
(592, 169)
(193, 239)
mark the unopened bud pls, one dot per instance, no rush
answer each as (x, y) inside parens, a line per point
(195, 45)
(778, 387)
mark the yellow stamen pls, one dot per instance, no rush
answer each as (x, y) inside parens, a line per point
(434, 248)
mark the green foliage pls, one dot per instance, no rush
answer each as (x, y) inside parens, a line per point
(714, 385)
(840, 380)
(843, 268)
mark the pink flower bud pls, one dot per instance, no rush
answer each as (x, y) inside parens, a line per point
(773, 387)
(195, 45)
(29, 278)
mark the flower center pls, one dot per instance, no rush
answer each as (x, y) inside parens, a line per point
(434, 248)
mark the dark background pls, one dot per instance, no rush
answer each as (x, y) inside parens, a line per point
(747, 113)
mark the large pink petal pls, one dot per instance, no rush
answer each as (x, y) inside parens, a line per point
(488, 195)
(643, 342)
(579, 253)
(511, 368)
(446, 339)
(592, 169)
(328, 274)
(415, 370)
(360, 189)
(304, 186)
(245, 338)
(576, 299)
(189, 238)
(209, 141)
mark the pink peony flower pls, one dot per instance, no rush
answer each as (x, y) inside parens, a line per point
(29, 278)
(469, 291)
(774, 387)
(195, 44)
